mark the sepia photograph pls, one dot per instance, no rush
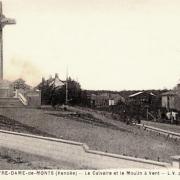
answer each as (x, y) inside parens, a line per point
(90, 85)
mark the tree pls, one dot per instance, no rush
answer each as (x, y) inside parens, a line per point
(46, 91)
(57, 95)
(85, 99)
(74, 91)
(20, 84)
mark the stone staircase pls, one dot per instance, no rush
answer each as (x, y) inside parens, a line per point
(10, 102)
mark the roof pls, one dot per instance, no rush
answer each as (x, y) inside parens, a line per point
(141, 92)
(152, 94)
(136, 94)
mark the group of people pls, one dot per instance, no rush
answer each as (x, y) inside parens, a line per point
(172, 116)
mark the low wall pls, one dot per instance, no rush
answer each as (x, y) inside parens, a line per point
(74, 152)
(170, 134)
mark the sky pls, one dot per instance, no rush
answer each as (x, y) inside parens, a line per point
(106, 44)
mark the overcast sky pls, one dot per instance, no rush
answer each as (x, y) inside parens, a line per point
(106, 44)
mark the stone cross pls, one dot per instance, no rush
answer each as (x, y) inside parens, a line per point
(3, 21)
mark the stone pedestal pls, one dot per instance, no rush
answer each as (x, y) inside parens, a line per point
(176, 161)
(6, 89)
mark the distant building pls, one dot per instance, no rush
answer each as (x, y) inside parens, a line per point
(6, 89)
(142, 98)
(171, 99)
(105, 99)
(168, 100)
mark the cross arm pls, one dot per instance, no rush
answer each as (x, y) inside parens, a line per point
(5, 21)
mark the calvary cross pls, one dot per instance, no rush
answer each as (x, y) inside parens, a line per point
(3, 21)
